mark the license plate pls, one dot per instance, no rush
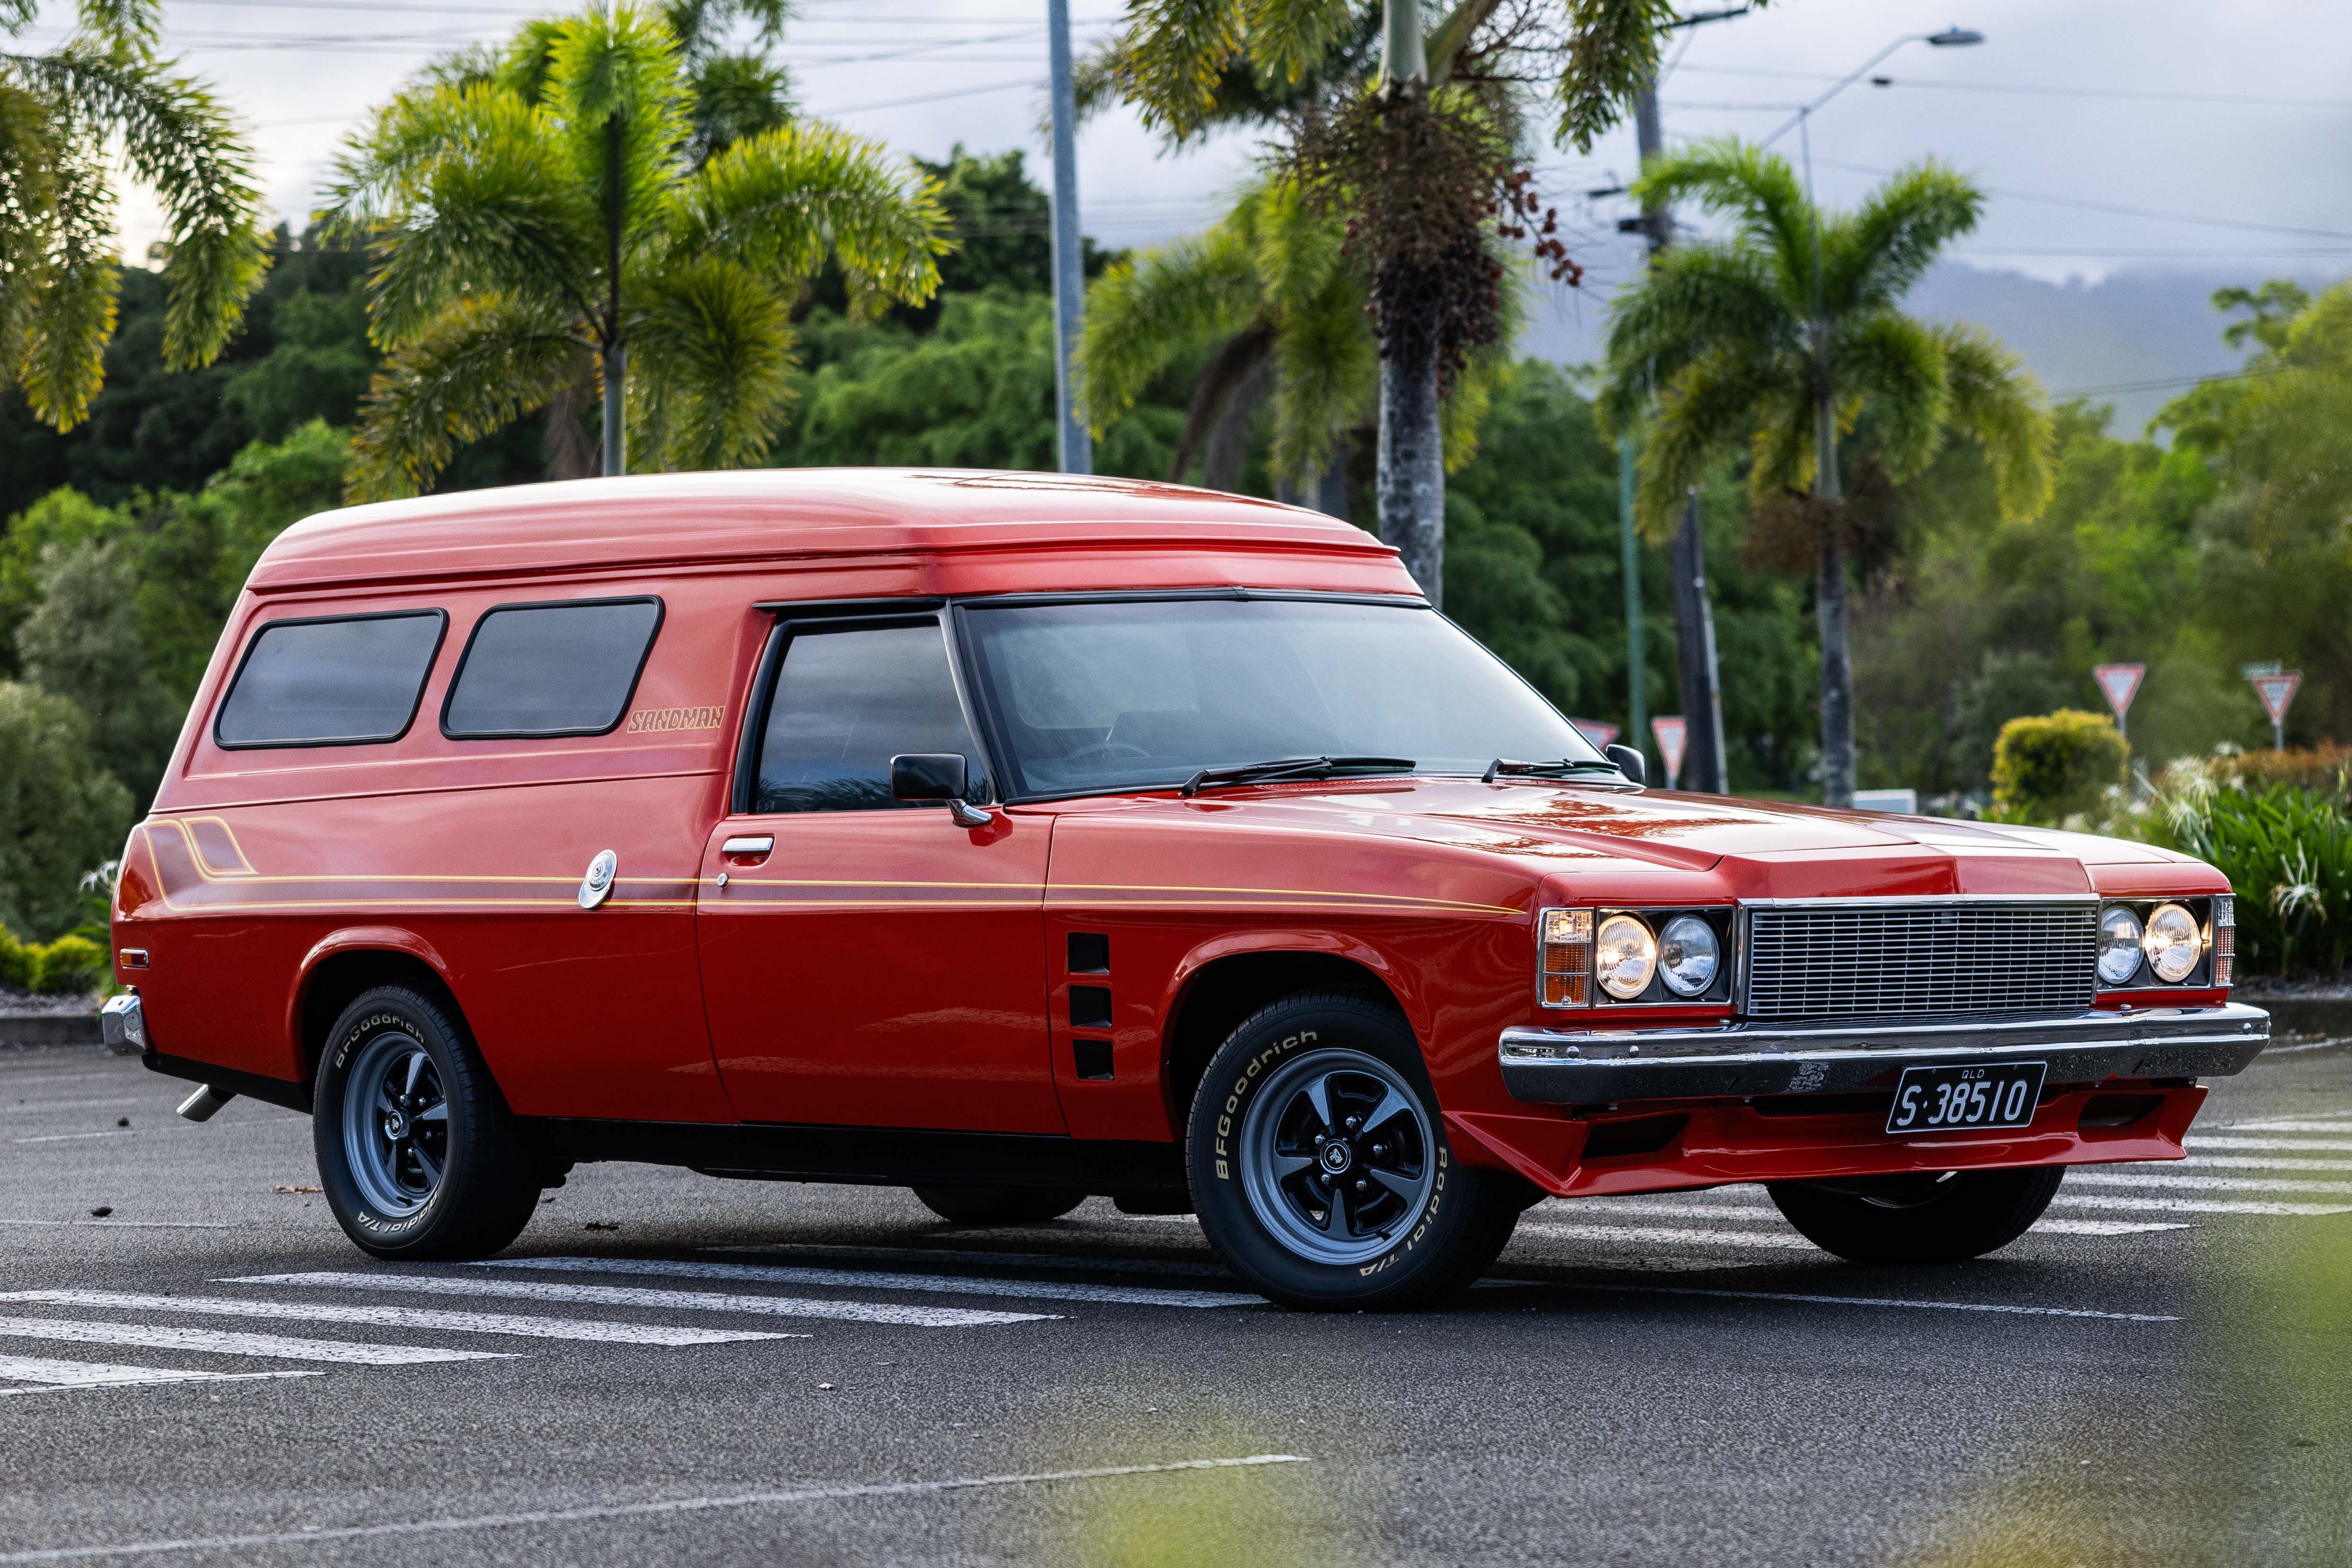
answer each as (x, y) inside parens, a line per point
(1963, 1098)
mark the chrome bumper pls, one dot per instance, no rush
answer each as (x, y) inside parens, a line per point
(122, 1025)
(1595, 1067)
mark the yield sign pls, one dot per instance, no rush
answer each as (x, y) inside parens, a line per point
(1670, 733)
(2121, 683)
(1599, 732)
(2276, 691)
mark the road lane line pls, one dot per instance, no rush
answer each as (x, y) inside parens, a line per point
(2256, 1162)
(225, 1341)
(2280, 1145)
(641, 1509)
(2099, 1227)
(864, 1280)
(1651, 1235)
(580, 1329)
(125, 1223)
(2195, 1205)
(35, 1107)
(2204, 1184)
(1841, 1301)
(71, 1137)
(669, 1300)
(1603, 1208)
(2300, 1124)
(1074, 1262)
(56, 1374)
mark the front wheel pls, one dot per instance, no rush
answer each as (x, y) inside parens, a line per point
(1320, 1166)
(1948, 1217)
(417, 1152)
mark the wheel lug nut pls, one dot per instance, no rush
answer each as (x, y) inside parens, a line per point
(1354, 1122)
(1321, 1139)
(1363, 1186)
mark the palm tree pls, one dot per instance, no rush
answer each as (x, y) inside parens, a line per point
(1418, 157)
(550, 222)
(1267, 296)
(60, 269)
(1787, 336)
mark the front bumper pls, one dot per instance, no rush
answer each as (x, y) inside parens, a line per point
(1602, 1067)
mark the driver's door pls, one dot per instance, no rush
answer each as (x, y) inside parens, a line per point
(868, 963)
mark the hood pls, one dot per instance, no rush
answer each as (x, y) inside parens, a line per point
(1760, 849)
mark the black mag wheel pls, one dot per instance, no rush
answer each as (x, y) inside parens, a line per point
(1928, 1216)
(1320, 1166)
(418, 1154)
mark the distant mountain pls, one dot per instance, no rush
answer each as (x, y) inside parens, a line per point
(2108, 339)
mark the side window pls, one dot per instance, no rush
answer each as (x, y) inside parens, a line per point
(550, 669)
(332, 681)
(845, 703)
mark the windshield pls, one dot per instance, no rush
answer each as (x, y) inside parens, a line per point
(1144, 694)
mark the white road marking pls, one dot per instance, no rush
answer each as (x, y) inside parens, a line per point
(999, 1259)
(2281, 1145)
(1603, 1208)
(1848, 1302)
(2206, 1184)
(71, 1137)
(224, 1341)
(399, 1317)
(1651, 1235)
(35, 1107)
(2301, 1124)
(2047, 1226)
(2256, 1162)
(2195, 1206)
(669, 1300)
(946, 1284)
(638, 1510)
(54, 1375)
(2336, 1115)
(126, 1224)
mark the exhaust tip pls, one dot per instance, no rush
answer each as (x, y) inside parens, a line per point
(205, 1103)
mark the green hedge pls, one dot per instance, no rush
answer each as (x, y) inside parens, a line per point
(2059, 766)
(69, 965)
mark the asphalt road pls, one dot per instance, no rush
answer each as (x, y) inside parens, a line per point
(759, 1373)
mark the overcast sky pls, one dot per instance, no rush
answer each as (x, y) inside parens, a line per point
(2111, 133)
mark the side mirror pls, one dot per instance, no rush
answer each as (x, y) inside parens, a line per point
(937, 776)
(1629, 763)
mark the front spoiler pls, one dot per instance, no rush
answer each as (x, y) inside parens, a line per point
(1602, 1067)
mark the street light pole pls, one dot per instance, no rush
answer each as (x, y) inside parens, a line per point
(1077, 443)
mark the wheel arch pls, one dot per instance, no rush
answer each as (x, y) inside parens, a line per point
(348, 962)
(1221, 984)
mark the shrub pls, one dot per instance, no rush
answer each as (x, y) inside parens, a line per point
(60, 813)
(2288, 855)
(2060, 765)
(2324, 769)
(68, 966)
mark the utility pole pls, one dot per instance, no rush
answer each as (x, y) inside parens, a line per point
(1637, 674)
(1077, 447)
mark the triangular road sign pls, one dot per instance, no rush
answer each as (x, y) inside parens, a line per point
(1670, 733)
(2276, 691)
(1599, 732)
(2121, 683)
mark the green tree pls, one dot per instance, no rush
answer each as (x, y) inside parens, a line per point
(1787, 335)
(84, 643)
(537, 230)
(60, 813)
(62, 114)
(1411, 133)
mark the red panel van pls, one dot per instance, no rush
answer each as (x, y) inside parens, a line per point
(1017, 838)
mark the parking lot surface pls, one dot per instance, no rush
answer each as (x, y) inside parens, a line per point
(196, 1368)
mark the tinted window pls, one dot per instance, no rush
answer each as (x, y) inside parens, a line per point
(550, 669)
(1146, 692)
(848, 701)
(323, 683)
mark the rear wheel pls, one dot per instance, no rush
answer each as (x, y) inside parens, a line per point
(999, 1206)
(1320, 1165)
(417, 1152)
(1945, 1217)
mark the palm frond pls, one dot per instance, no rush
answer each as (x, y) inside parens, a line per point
(784, 200)
(1327, 371)
(1614, 49)
(1287, 38)
(1756, 189)
(1895, 366)
(58, 355)
(1147, 308)
(486, 362)
(132, 25)
(714, 339)
(615, 82)
(1999, 404)
(1293, 247)
(1695, 301)
(1170, 57)
(1705, 410)
(1781, 451)
(1873, 258)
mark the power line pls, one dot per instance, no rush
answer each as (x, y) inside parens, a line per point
(929, 97)
(2085, 205)
(2162, 385)
(2147, 95)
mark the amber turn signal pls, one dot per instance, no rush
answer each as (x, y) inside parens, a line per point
(1566, 945)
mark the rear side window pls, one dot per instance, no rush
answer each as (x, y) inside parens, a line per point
(330, 682)
(846, 702)
(550, 669)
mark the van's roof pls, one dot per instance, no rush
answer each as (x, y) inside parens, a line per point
(963, 531)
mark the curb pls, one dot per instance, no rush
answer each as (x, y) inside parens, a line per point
(20, 1030)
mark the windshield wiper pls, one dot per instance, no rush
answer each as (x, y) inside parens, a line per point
(1504, 767)
(1289, 767)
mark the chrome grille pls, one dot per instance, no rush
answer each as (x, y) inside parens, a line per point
(1863, 961)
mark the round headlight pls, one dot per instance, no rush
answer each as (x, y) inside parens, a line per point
(2173, 943)
(1624, 956)
(2118, 945)
(1688, 954)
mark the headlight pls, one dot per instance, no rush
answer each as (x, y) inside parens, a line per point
(1624, 956)
(2172, 943)
(2119, 938)
(1688, 955)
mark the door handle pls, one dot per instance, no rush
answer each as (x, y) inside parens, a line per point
(748, 845)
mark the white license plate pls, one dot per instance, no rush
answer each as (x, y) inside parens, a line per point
(1965, 1099)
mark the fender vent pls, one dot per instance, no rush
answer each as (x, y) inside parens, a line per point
(1642, 1135)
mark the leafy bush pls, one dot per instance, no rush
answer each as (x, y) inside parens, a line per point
(2056, 766)
(2287, 853)
(60, 813)
(69, 965)
(2324, 769)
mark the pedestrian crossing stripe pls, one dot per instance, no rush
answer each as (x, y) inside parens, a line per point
(580, 1329)
(223, 1341)
(871, 1280)
(631, 1296)
(55, 1377)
